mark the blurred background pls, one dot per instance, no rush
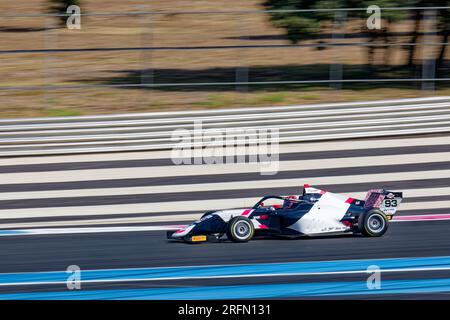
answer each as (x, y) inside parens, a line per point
(136, 56)
(100, 192)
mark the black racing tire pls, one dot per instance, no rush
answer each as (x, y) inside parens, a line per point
(240, 229)
(373, 223)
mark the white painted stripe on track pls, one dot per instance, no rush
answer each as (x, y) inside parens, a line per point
(195, 170)
(209, 204)
(197, 205)
(112, 221)
(425, 205)
(295, 183)
(284, 148)
(242, 185)
(48, 231)
(422, 217)
(180, 205)
(88, 230)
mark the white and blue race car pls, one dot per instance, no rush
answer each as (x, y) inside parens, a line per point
(314, 212)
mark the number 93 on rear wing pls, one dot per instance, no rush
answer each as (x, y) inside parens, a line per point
(386, 201)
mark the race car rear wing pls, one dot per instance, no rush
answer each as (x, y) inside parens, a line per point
(307, 189)
(386, 201)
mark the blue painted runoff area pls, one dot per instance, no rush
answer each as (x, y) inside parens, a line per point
(261, 269)
(316, 289)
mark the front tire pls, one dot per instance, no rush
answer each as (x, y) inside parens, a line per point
(240, 229)
(373, 223)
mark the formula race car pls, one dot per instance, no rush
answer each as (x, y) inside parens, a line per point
(314, 212)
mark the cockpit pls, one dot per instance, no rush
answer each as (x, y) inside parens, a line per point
(274, 203)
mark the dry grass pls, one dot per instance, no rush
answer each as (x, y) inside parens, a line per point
(170, 66)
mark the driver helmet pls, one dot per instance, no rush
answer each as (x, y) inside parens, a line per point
(311, 198)
(288, 203)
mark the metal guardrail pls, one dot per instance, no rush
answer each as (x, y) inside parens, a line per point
(153, 131)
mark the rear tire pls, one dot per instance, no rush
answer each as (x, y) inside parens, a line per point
(373, 223)
(240, 229)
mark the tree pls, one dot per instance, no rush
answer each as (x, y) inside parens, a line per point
(60, 7)
(299, 25)
(389, 17)
(444, 30)
(304, 25)
(307, 25)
